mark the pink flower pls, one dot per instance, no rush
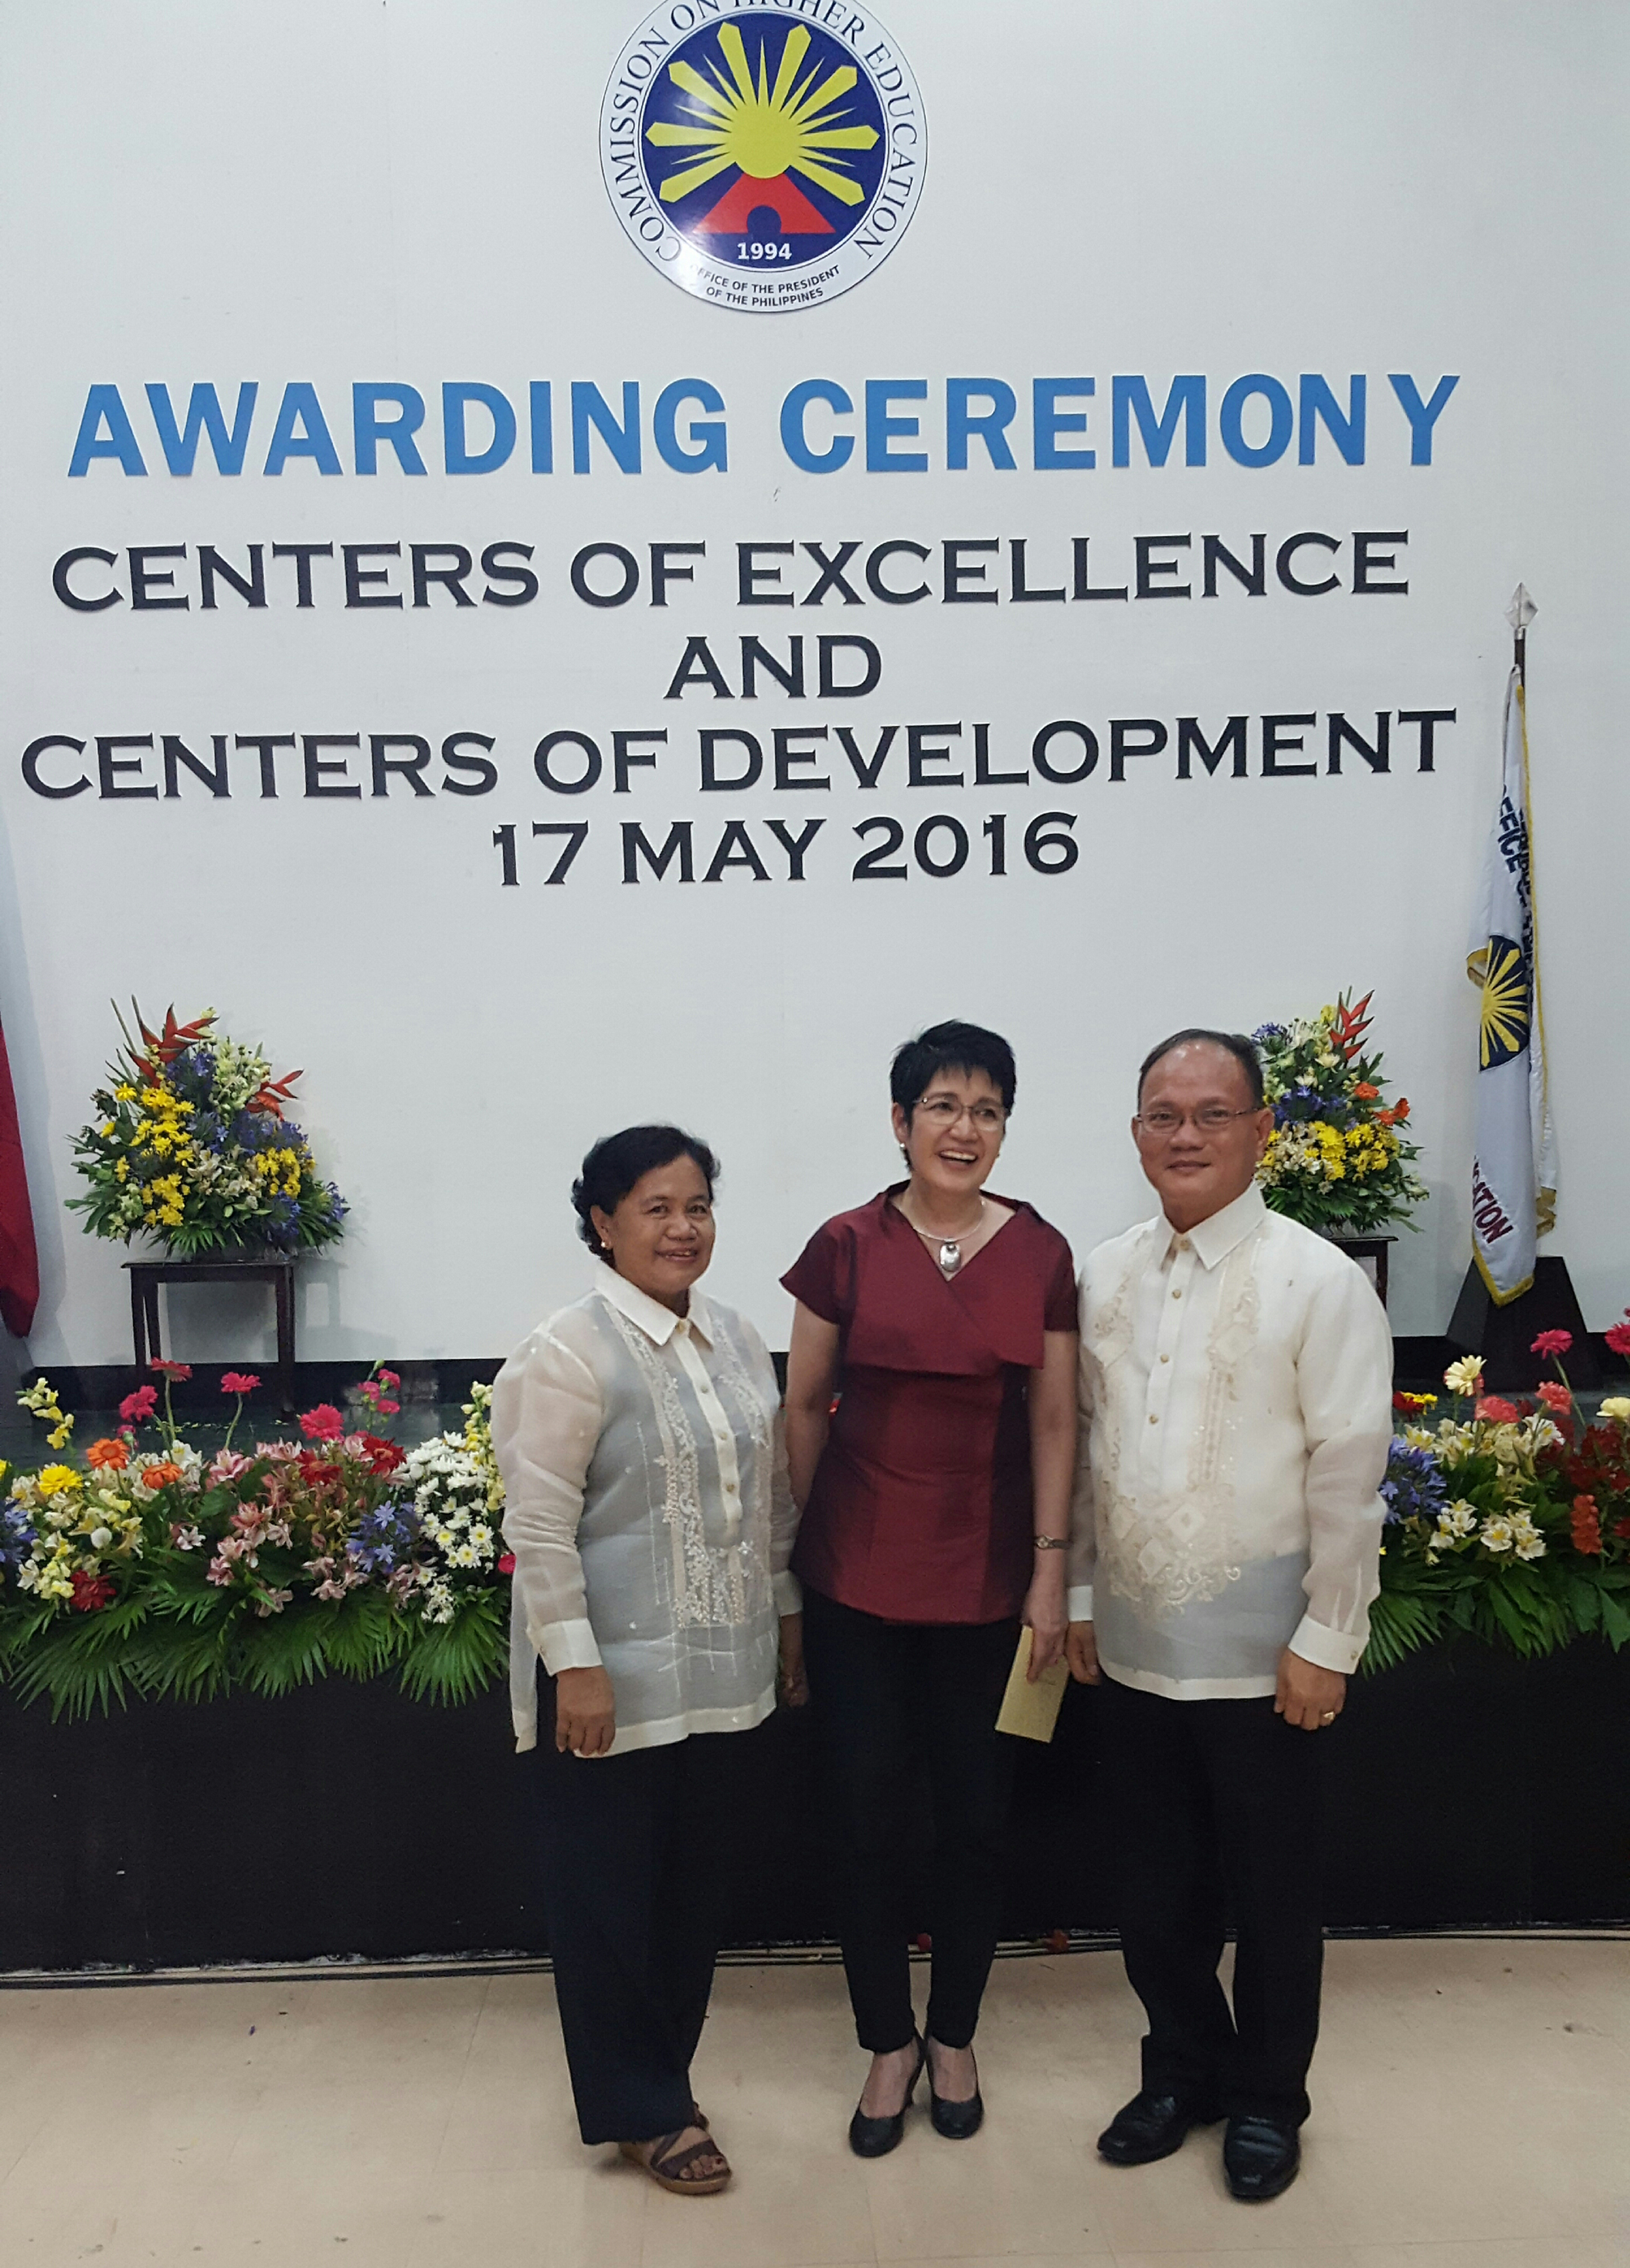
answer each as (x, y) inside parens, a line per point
(1619, 1338)
(1555, 1397)
(175, 1369)
(389, 1378)
(506, 1563)
(1552, 1343)
(226, 1465)
(238, 1381)
(185, 1539)
(323, 1423)
(220, 1570)
(1495, 1411)
(136, 1408)
(272, 1603)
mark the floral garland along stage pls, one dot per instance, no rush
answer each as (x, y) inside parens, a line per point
(190, 1145)
(1510, 1520)
(1337, 1158)
(141, 1566)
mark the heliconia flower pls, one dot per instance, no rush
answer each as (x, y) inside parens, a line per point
(1555, 1397)
(138, 1407)
(323, 1423)
(111, 1453)
(1586, 1522)
(1552, 1343)
(238, 1381)
(1496, 1411)
(175, 1369)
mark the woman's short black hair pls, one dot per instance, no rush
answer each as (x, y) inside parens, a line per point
(619, 1160)
(951, 1047)
(1235, 1043)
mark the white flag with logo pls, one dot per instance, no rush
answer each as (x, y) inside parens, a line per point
(1514, 1170)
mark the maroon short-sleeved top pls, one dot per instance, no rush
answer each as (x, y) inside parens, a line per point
(922, 1507)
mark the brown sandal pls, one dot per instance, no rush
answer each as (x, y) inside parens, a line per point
(669, 2167)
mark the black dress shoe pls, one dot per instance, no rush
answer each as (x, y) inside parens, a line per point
(1152, 2126)
(875, 2137)
(1259, 2157)
(956, 2121)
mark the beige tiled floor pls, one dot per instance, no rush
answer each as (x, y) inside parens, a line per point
(1472, 2111)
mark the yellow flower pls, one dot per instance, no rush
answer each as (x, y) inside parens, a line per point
(56, 1480)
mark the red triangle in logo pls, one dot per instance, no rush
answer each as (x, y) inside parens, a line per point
(795, 215)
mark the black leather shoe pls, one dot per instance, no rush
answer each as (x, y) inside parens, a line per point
(875, 2137)
(1152, 2126)
(956, 2121)
(1260, 2157)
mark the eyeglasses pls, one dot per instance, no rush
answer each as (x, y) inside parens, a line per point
(944, 1110)
(1212, 1120)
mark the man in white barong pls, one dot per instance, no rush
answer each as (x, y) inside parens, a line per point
(1236, 1409)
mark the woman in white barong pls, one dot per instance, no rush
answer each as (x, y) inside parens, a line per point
(638, 1432)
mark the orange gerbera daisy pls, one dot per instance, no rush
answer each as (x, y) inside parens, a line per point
(106, 1452)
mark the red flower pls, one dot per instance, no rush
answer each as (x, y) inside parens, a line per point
(318, 1472)
(175, 1369)
(1555, 1397)
(1366, 1092)
(1586, 1526)
(390, 1378)
(1618, 1338)
(140, 1405)
(506, 1563)
(381, 1456)
(323, 1423)
(89, 1592)
(1411, 1405)
(1400, 1108)
(238, 1381)
(1552, 1343)
(1496, 1411)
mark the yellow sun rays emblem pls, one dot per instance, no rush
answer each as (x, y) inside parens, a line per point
(1505, 1015)
(766, 130)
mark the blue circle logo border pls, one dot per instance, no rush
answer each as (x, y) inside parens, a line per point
(763, 276)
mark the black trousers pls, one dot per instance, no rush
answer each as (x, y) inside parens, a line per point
(636, 1864)
(892, 1700)
(1213, 1806)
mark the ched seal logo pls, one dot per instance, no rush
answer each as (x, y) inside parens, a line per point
(764, 154)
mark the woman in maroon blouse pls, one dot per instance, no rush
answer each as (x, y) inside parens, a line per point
(936, 1505)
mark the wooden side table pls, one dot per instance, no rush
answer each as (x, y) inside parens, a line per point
(278, 1270)
(1371, 1254)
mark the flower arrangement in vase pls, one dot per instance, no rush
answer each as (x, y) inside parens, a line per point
(190, 1147)
(1338, 1159)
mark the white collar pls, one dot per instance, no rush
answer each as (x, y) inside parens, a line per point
(656, 1321)
(1216, 1236)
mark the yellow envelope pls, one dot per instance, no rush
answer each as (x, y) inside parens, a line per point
(1031, 1711)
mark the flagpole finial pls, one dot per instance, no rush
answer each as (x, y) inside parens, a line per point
(1522, 609)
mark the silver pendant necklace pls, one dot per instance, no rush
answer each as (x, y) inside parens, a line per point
(949, 1253)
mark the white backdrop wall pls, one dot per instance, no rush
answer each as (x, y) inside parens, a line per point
(337, 192)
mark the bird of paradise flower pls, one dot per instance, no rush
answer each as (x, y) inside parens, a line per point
(767, 131)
